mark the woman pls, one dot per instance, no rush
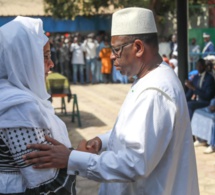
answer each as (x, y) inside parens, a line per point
(26, 115)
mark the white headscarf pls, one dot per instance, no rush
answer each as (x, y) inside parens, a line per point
(23, 96)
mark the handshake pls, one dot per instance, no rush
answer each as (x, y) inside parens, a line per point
(56, 155)
(92, 146)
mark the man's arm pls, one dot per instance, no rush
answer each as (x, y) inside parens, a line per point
(136, 148)
(191, 88)
(207, 90)
(57, 155)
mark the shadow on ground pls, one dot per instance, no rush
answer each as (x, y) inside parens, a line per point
(87, 120)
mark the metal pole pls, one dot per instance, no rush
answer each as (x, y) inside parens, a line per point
(182, 39)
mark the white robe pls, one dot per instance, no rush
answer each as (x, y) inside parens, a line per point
(150, 148)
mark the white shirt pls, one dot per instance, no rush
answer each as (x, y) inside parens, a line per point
(175, 63)
(77, 53)
(164, 48)
(202, 78)
(150, 149)
(90, 46)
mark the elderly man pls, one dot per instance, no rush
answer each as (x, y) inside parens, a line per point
(150, 148)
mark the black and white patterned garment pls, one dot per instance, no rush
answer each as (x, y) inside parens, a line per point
(13, 143)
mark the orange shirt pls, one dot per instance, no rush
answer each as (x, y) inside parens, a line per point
(105, 54)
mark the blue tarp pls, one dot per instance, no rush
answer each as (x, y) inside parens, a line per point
(80, 24)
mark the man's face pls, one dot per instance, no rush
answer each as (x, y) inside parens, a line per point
(174, 39)
(123, 55)
(206, 39)
(193, 41)
(200, 67)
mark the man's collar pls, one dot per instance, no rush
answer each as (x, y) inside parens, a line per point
(203, 73)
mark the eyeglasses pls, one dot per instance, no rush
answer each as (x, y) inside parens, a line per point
(117, 51)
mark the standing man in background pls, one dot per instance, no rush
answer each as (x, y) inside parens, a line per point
(90, 45)
(208, 47)
(194, 53)
(77, 60)
(99, 75)
(173, 45)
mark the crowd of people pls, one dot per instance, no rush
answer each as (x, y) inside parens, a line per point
(84, 58)
(200, 93)
(168, 50)
(200, 87)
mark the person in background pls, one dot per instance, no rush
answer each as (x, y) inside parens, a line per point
(117, 77)
(173, 45)
(150, 149)
(26, 114)
(209, 66)
(192, 73)
(213, 69)
(77, 61)
(208, 46)
(165, 58)
(173, 62)
(164, 47)
(99, 76)
(64, 57)
(203, 127)
(200, 88)
(105, 54)
(194, 53)
(90, 45)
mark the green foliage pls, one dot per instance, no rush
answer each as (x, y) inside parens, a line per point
(69, 9)
(198, 2)
(62, 9)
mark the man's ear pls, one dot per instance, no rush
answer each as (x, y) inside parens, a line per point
(139, 46)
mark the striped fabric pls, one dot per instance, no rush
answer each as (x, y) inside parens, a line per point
(7, 163)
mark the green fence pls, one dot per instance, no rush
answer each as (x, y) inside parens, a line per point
(201, 19)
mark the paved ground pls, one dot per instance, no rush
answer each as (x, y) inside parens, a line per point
(99, 105)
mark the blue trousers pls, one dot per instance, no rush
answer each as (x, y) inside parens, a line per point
(91, 70)
(76, 68)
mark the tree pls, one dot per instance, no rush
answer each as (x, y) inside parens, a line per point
(69, 9)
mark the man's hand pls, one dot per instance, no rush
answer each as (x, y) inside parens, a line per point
(91, 146)
(82, 146)
(48, 156)
(94, 144)
(190, 85)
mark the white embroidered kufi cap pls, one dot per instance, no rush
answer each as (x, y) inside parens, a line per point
(206, 35)
(131, 21)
